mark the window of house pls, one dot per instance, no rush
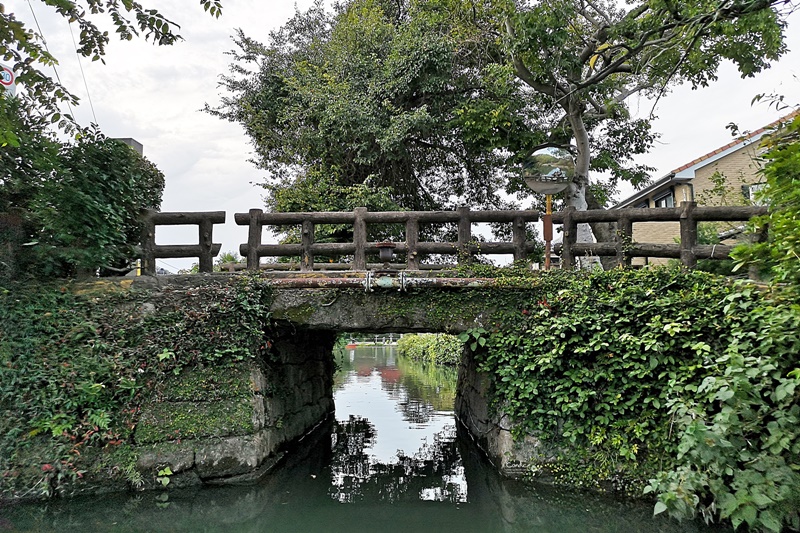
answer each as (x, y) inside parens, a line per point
(667, 200)
(642, 205)
(750, 192)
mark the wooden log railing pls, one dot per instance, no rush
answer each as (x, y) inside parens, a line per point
(413, 248)
(688, 215)
(205, 250)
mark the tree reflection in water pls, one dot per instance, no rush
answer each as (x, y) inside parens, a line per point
(421, 391)
(435, 472)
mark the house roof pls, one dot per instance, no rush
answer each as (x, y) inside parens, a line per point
(753, 135)
(686, 172)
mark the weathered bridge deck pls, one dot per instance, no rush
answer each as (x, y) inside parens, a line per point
(361, 301)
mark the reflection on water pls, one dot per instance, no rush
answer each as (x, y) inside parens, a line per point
(394, 437)
(389, 462)
(433, 473)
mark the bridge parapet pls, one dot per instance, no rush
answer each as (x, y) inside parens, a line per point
(688, 250)
(205, 250)
(465, 247)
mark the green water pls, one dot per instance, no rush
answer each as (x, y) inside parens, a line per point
(391, 461)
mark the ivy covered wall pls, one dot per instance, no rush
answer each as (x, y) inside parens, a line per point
(676, 384)
(104, 386)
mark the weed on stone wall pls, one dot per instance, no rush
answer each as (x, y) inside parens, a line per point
(74, 367)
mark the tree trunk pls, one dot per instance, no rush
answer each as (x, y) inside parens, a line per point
(577, 192)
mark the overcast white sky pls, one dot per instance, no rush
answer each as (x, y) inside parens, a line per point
(154, 94)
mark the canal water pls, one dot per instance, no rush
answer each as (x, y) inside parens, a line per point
(393, 460)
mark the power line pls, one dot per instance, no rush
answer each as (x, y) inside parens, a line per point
(44, 42)
(80, 65)
(176, 269)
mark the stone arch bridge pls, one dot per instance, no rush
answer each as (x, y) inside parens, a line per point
(241, 431)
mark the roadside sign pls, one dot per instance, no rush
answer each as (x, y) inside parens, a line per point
(7, 79)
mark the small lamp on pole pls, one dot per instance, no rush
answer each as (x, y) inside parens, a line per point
(548, 184)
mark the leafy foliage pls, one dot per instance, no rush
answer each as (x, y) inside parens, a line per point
(438, 101)
(78, 204)
(317, 192)
(378, 94)
(739, 447)
(781, 252)
(739, 453)
(583, 60)
(27, 49)
(27, 157)
(594, 361)
(74, 368)
(664, 374)
(435, 348)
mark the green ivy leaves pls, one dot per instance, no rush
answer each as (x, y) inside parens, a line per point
(636, 373)
(73, 368)
(474, 338)
(739, 448)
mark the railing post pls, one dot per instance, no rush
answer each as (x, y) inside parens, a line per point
(206, 228)
(688, 234)
(518, 239)
(412, 239)
(464, 235)
(360, 239)
(570, 229)
(624, 239)
(254, 239)
(148, 266)
(306, 240)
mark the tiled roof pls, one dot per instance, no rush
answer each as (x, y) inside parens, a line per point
(674, 175)
(739, 140)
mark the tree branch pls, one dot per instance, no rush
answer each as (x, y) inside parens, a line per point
(606, 19)
(525, 74)
(675, 69)
(619, 98)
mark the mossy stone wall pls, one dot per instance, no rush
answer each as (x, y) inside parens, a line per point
(213, 425)
(489, 427)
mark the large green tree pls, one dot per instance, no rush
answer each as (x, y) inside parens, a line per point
(388, 95)
(583, 60)
(440, 100)
(27, 51)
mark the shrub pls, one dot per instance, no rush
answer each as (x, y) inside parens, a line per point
(739, 449)
(679, 377)
(76, 206)
(435, 348)
(780, 254)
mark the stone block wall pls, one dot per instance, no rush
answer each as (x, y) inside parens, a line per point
(489, 427)
(233, 423)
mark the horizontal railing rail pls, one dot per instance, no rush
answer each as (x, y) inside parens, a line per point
(205, 250)
(360, 218)
(293, 266)
(688, 250)
(689, 214)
